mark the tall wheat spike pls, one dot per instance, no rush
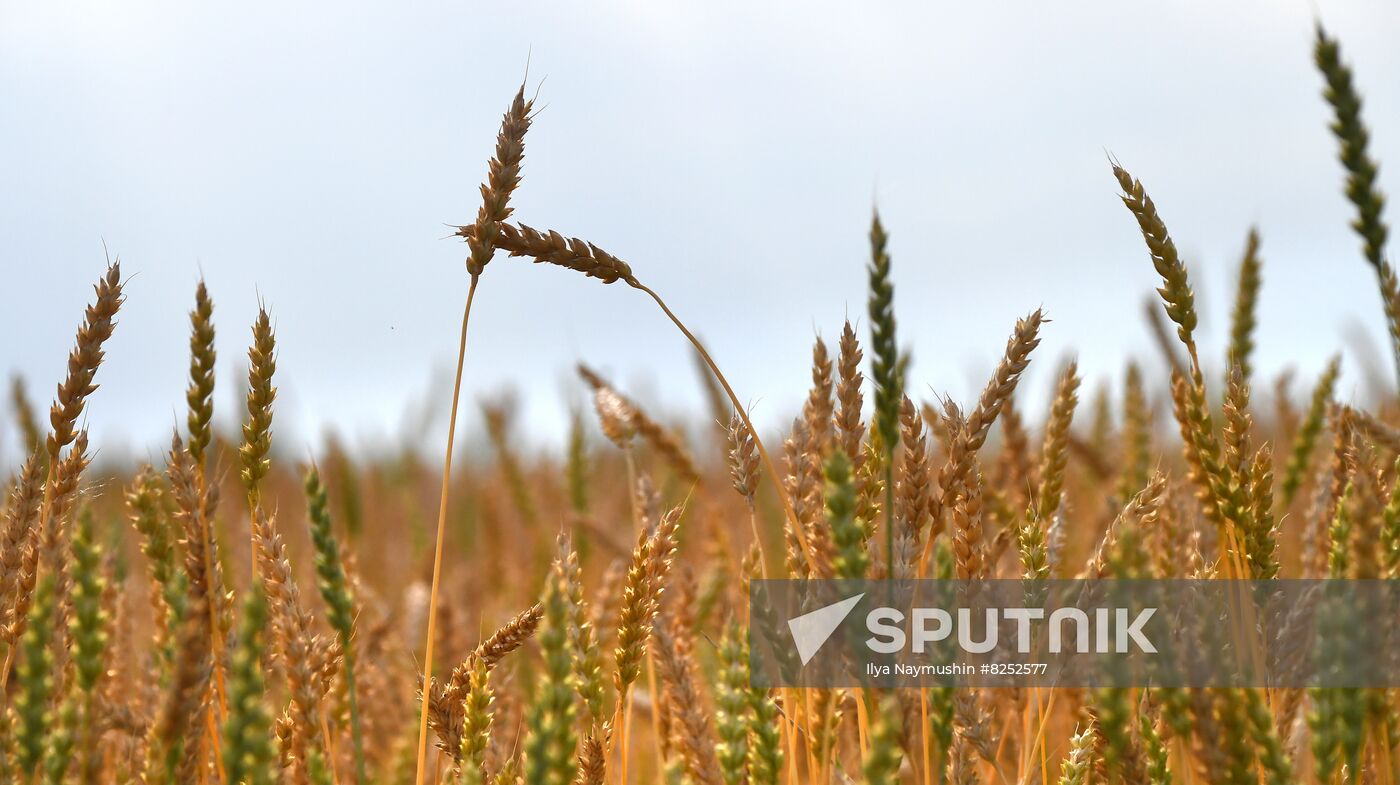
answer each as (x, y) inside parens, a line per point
(502, 179)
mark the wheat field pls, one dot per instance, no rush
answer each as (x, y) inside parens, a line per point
(233, 616)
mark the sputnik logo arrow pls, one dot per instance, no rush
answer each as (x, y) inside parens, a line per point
(811, 630)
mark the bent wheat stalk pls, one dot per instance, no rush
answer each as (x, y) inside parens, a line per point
(584, 257)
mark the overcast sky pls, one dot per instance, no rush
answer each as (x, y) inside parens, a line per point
(313, 154)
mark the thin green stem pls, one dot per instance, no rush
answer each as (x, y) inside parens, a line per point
(889, 513)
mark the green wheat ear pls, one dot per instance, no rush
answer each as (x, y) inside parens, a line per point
(1308, 432)
(1242, 318)
(1074, 770)
(881, 764)
(35, 675)
(330, 572)
(1361, 188)
(847, 534)
(732, 706)
(553, 741)
(248, 754)
(765, 740)
(886, 369)
(1177, 297)
(335, 591)
(1352, 139)
(476, 723)
(87, 625)
(1390, 530)
(885, 359)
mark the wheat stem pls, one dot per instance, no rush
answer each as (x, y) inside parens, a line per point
(739, 408)
(441, 528)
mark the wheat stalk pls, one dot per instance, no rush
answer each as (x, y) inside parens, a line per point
(502, 179)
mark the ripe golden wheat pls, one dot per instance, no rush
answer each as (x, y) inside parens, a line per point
(230, 617)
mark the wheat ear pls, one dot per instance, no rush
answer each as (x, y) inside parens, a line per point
(99, 320)
(86, 356)
(25, 417)
(248, 754)
(1054, 452)
(1242, 318)
(1176, 292)
(1305, 438)
(552, 745)
(340, 602)
(885, 369)
(663, 441)
(21, 521)
(694, 734)
(972, 433)
(1361, 188)
(199, 396)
